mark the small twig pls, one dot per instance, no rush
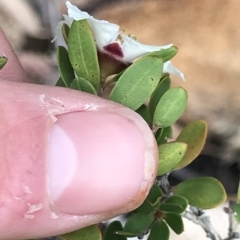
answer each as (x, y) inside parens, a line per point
(199, 217)
(231, 219)
(231, 234)
(163, 183)
(235, 235)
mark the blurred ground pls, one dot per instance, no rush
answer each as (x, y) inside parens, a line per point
(207, 35)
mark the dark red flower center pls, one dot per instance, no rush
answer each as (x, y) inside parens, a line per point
(114, 49)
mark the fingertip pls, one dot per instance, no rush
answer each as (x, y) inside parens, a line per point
(119, 168)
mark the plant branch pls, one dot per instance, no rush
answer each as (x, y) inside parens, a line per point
(199, 217)
(231, 233)
(163, 183)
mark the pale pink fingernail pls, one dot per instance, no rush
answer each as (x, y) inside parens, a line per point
(95, 162)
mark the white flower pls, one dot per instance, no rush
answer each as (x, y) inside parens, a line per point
(110, 40)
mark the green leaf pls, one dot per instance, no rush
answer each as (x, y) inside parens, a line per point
(194, 134)
(60, 83)
(143, 112)
(236, 208)
(238, 192)
(170, 154)
(157, 203)
(175, 222)
(159, 231)
(181, 201)
(3, 61)
(138, 223)
(162, 87)
(154, 194)
(170, 107)
(163, 134)
(137, 82)
(64, 66)
(145, 208)
(169, 207)
(83, 52)
(83, 85)
(65, 32)
(126, 234)
(89, 233)
(165, 54)
(111, 230)
(202, 192)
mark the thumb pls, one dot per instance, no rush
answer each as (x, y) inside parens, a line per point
(68, 160)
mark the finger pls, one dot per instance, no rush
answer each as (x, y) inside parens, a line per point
(68, 160)
(13, 70)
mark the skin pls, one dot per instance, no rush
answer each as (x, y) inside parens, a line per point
(31, 186)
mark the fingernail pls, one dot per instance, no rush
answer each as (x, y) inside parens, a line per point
(95, 162)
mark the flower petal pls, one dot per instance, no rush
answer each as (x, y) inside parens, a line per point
(133, 49)
(169, 68)
(58, 35)
(104, 31)
(75, 13)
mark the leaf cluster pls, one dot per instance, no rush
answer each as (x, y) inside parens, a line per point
(146, 89)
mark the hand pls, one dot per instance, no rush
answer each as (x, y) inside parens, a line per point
(67, 159)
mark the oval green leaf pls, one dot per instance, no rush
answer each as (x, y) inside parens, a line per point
(170, 154)
(83, 85)
(126, 234)
(137, 82)
(157, 203)
(180, 201)
(143, 112)
(170, 107)
(3, 61)
(65, 32)
(138, 223)
(145, 208)
(159, 231)
(110, 232)
(238, 192)
(202, 192)
(175, 222)
(169, 207)
(165, 54)
(236, 208)
(89, 233)
(83, 52)
(163, 134)
(60, 83)
(154, 194)
(64, 66)
(162, 87)
(194, 134)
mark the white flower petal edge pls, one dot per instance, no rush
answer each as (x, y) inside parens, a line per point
(76, 13)
(133, 49)
(169, 68)
(104, 31)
